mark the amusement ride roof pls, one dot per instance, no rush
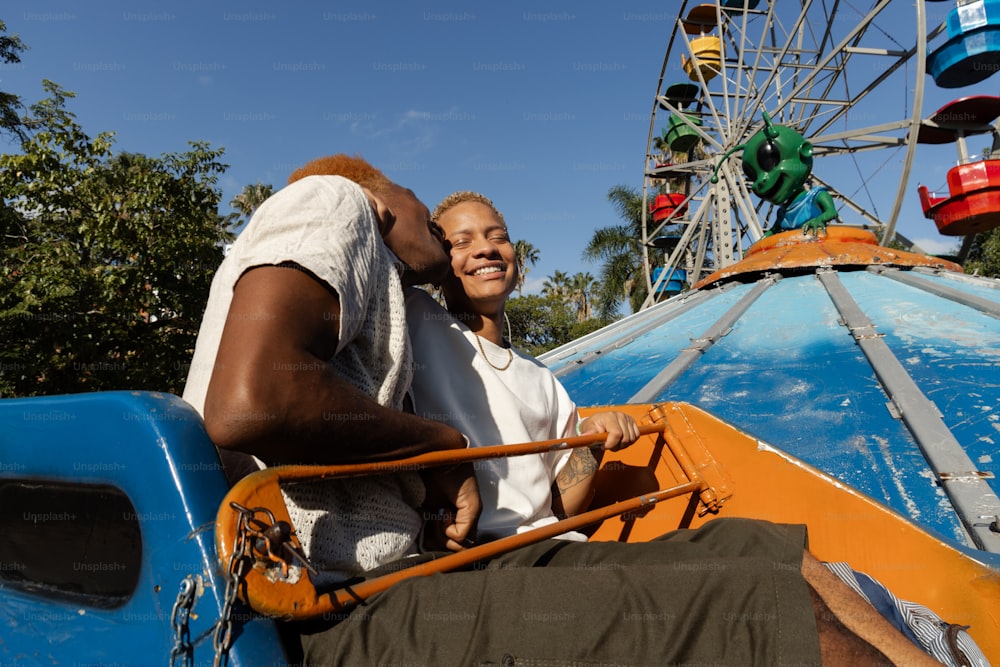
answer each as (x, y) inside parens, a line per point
(877, 366)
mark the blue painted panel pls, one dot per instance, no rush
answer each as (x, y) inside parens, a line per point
(953, 354)
(619, 373)
(154, 448)
(792, 375)
(985, 288)
(617, 333)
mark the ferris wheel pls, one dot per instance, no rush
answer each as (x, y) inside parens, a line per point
(849, 80)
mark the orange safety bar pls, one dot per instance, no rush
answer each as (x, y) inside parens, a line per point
(280, 588)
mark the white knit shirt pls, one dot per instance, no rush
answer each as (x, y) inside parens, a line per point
(325, 225)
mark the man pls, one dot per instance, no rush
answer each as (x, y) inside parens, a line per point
(303, 357)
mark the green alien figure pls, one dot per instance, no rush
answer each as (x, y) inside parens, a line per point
(777, 161)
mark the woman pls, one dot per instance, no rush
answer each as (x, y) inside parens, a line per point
(467, 375)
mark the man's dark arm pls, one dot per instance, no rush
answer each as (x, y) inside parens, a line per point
(273, 394)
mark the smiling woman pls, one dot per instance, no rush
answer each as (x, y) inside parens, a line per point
(469, 376)
(483, 262)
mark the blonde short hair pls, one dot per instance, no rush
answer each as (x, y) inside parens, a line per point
(461, 196)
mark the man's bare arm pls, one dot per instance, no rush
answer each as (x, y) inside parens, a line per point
(273, 394)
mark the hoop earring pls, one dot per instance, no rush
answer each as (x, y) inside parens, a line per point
(507, 320)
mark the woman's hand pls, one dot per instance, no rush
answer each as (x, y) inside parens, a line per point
(621, 428)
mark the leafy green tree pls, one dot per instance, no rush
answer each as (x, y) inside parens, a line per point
(107, 259)
(619, 249)
(10, 104)
(526, 255)
(539, 323)
(984, 255)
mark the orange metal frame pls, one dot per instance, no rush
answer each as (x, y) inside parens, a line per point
(837, 246)
(844, 525)
(685, 451)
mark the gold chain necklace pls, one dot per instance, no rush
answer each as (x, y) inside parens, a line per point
(510, 355)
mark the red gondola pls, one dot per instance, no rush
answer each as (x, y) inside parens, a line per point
(972, 204)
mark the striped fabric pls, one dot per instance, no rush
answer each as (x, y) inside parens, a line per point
(946, 642)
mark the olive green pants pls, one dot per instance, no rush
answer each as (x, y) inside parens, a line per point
(730, 593)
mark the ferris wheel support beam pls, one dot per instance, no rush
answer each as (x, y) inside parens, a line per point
(723, 241)
(827, 151)
(704, 136)
(649, 140)
(702, 246)
(918, 103)
(749, 213)
(675, 255)
(670, 221)
(757, 101)
(869, 51)
(849, 203)
(701, 80)
(838, 69)
(727, 109)
(810, 78)
(874, 84)
(706, 165)
(863, 133)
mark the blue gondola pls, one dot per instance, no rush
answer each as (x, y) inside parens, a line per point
(972, 50)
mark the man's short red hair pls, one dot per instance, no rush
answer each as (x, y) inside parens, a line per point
(355, 169)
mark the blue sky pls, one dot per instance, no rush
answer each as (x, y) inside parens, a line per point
(542, 106)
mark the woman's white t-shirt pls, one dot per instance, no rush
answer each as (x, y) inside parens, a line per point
(453, 383)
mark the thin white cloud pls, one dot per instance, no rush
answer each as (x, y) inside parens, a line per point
(411, 132)
(533, 285)
(938, 245)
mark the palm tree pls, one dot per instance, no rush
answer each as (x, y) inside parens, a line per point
(619, 249)
(581, 290)
(252, 196)
(556, 285)
(526, 254)
(662, 146)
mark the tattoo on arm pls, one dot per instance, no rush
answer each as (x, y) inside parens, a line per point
(580, 468)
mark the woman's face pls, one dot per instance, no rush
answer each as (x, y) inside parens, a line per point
(483, 263)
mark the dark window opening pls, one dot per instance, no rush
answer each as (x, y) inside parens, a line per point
(73, 541)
